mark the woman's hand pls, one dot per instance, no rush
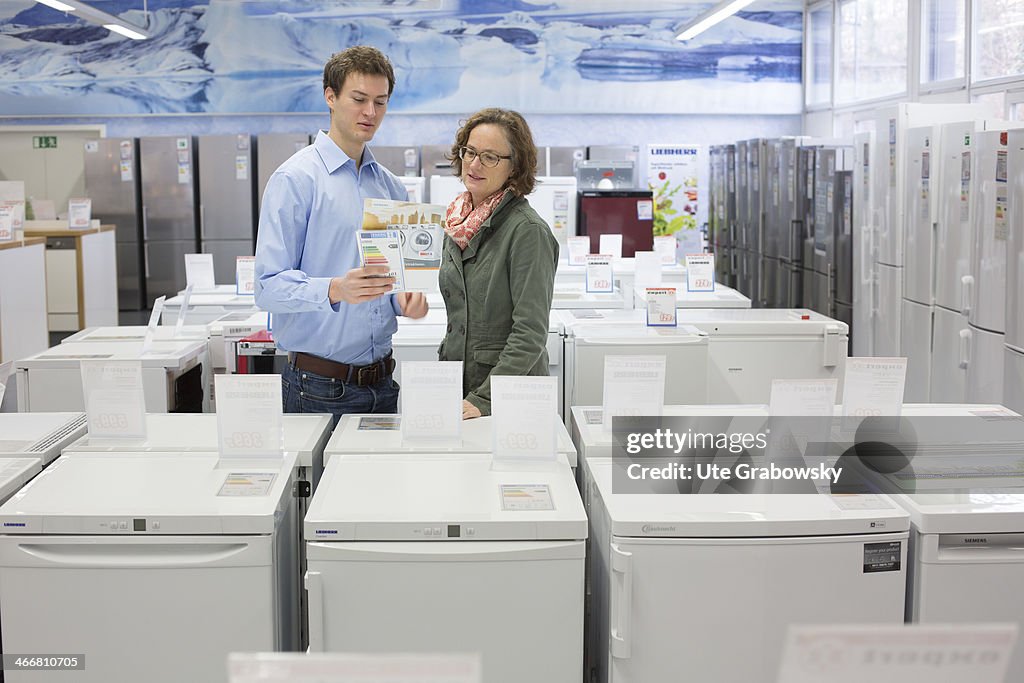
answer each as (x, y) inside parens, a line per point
(469, 411)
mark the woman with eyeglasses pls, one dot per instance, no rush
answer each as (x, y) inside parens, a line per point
(499, 260)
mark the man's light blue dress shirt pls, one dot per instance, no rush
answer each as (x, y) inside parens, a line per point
(311, 210)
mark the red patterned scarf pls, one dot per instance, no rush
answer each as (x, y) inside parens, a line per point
(463, 220)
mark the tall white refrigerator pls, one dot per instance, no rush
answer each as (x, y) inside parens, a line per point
(864, 258)
(1013, 383)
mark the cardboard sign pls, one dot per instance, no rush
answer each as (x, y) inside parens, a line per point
(79, 213)
(874, 386)
(199, 271)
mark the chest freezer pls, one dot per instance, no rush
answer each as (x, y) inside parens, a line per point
(373, 434)
(575, 296)
(201, 553)
(228, 330)
(722, 297)
(137, 333)
(39, 435)
(672, 586)
(172, 375)
(205, 308)
(623, 272)
(470, 559)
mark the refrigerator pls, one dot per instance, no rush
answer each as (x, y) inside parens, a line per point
(842, 281)
(272, 150)
(723, 211)
(784, 225)
(554, 200)
(829, 199)
(678, 582)
(402, 160)
(806, 159)
(1013, 382)
(136, 558)
(227, 201)
(753, 223)
(561, 161)
(39, 435)
(112, 182)
(169, 211)
(434, 163)
(864, 259)
(739, 235)
(469, 557)
(629, 213)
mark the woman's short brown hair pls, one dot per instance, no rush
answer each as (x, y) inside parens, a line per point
(360, 59)
(520, 139)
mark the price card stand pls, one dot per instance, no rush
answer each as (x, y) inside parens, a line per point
(599, 274)
(811, 404)
(154, 322)
(249, 416)
(661, 307)
(648, 269)
(665, 248)
(611, 244)
(199, 271)
(245, 275)
(179, 324)
(633, 385)
(579, 248)
(79, 213)
(700, 272)
(115, 404)
(523, 412)
(432, 402)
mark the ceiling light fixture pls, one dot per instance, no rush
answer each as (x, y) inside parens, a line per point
(722, 10)
(91, 14)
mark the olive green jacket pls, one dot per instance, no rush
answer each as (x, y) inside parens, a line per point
(498, 295)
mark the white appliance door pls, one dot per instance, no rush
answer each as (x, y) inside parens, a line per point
(985, 367)
(916, 346)
(919, 255)
(150, 609)
(863, 294)
(890, 306)
(1013, 383)
(988, 295)
(689, 605)
(1015, 245)
(519, 604)
(888, 185)
(950, 357)
(954, 583)
(953, 225)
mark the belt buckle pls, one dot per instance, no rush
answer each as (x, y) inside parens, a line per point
(370, 376)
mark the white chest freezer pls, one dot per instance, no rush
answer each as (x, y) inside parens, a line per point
(576, 296)
(965, 559)
(15, 473)
(623, 272)
(137, 333)
(39, 435)
(679, 582)
(373, 434)
(722, 297)
(468, 559)
(172, 375)
(205, 308)
(202, 555)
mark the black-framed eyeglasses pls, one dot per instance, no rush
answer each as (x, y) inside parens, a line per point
(488, 159)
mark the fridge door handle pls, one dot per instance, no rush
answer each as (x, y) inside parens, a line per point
(622, 603)
(966, 293)
(145, 258)
(965, 349)
(202, 222)
(145, 223)
(315, 607)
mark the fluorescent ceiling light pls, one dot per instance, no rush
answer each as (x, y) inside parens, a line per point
(91, 14)
(722, 10)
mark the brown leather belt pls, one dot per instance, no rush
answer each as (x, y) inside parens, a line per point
(360, 375)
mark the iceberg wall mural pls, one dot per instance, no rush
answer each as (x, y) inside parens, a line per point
(450, 56)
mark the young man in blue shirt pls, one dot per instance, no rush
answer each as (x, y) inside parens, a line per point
(333, 317)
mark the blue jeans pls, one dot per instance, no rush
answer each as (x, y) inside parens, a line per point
(307, 392)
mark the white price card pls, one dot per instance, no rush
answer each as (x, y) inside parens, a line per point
(579, 247)
(665, 247)
(245, 275)
(599, 273)
(238, 484)
(79, 213)
(115, 405)
(522, 497)
(803, 397)
(523, 412)
(700, 272)
(18, 217)
(333, 667)
(648, 269)
(874, 386)
(661, 306)
(611, 244)
(633, 385)
(199, 271)
(898, 653)
(179, 324)
(5, 376)
(249, 421)
(154, 321)
(432, 402)
(6, 222)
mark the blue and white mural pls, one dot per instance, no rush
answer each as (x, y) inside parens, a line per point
(451, 56)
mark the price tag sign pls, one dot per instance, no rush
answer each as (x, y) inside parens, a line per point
(523, 411)
(249, 421)
(199, 271)
(154, 321)
(6, 222)
(432, 402)
(633, 385)
(5, 376)
(648, 269)
(874, 387)
(79, 213)
(179, 324)
(115, 405)
(579, 247)
(803, 397)
(333, 667)
(599, 273)
(245, 275)
(661, 306)
(611, 244)
(700, 272)
(665, 247)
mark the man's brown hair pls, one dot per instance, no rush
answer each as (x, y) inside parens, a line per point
(361, 59)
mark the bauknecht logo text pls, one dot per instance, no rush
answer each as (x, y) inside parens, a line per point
(654, 528)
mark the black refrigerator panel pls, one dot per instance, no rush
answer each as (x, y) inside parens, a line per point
(789, 231)
(112, 183)
(627, 212)
(272, 150)
(843, 269)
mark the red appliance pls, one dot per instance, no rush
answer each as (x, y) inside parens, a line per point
(629, 213)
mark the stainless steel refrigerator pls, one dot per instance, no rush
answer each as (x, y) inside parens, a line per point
(829, 196)
(805, 172)
(740, 248)
(227, 201)
(402, 160)
(843, 271)
(272, 150)
(112, 182)
(169, 211)
(784, 230)
(723, 212)
(757, 172)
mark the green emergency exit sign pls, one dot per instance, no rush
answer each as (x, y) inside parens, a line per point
(44, 142)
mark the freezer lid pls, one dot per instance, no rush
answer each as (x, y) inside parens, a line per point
(982, 510)
(226, 299)
(727, 321)
(406, 498)
(152, 493)
(172, 355)
(138, 333)
(367, 434)
(743, 515)
(722, 297)
(231, 290)
(627, 333)
(15, 473)
(418, 334)
(238, 324)
(39, 434)
(304, 435)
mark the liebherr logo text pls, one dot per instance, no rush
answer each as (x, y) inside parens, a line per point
(654, 528)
